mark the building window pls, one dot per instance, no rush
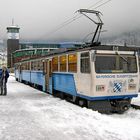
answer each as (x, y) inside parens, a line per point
(55, 64)
(13, 30)
(24, 66)
(85, 63)
(63, 63)
(72, 63)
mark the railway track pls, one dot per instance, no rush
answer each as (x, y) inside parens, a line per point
(135, 106)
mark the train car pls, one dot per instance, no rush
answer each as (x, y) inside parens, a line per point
(102, 79)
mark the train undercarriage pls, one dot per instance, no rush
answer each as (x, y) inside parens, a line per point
(102, 106)
(111, 106)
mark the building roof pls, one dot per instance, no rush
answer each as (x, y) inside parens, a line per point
(48, 42)
(13, 27)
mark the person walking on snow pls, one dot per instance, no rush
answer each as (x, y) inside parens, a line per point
(4, 74)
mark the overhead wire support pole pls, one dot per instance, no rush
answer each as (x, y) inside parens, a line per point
(99, 23)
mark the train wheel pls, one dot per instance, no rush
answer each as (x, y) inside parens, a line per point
(62, 96)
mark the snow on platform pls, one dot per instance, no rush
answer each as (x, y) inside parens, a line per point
(29, 114)
(12, 74)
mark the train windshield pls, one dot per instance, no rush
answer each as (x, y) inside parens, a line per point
(115, 64)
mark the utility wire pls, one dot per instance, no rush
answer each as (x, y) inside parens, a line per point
(102, 4)
(75, 18)
(91, 34)
(71, 19)
(95, 4)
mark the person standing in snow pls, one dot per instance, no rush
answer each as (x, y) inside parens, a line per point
(4, 74)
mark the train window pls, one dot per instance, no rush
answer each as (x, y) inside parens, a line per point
(63, 63)
(55, 64)
(40, 65)
(32, 66)
(50, 67)
(16, 67)
(35, 65)
(19, 67)
(85, 63)
(115, 64)
(72, 63)
(24, 66)
(28, 65)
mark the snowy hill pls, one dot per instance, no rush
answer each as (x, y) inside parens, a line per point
(3, 47)
(1, 44)
(128, 38)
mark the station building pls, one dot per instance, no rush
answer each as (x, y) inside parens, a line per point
(18, 50)
(36, 49)
(12, 43)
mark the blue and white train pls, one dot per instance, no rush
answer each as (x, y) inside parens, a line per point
(102, 79)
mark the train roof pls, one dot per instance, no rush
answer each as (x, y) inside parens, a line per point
(85, 48)
(88, 47)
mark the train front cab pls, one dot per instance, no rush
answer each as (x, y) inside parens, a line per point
(104, 80)
(115, 79)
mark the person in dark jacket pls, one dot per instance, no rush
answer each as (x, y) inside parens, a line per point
(4, 75)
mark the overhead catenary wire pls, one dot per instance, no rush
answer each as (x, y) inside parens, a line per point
(69, 21)
(65, 23)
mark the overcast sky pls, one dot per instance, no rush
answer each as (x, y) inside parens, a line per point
(39, 19)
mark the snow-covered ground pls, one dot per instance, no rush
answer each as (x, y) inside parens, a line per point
(136, 101)
(29, 114)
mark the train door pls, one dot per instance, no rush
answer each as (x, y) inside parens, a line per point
(20, 73)
(49, 76)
